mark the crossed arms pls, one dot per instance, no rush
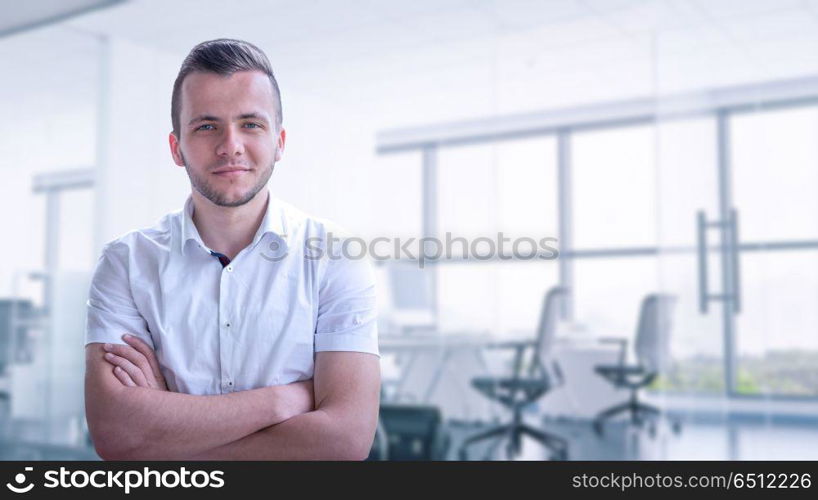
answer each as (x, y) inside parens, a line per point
(132, 416)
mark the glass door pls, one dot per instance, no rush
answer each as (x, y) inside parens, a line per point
(695, 237)
(738, 231)
(693, 233)
(774, 177)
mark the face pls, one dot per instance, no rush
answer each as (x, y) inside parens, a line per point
(228, 140)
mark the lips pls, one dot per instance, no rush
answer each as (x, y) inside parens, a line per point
(231, 171)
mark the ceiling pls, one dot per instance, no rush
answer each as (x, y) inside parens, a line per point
(317, 32)
(22, 16)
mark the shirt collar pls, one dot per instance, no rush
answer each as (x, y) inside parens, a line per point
(274, 222)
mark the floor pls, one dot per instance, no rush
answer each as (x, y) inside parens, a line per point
(725, 440)
(702, 440)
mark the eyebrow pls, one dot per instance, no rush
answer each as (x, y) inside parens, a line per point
(243, 116)
(252, 116)
(203, 118)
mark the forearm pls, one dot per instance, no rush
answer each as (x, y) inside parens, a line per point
(317, 435)
(342, 427)
(141, 423)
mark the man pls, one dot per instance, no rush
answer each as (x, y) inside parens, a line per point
(247, 337)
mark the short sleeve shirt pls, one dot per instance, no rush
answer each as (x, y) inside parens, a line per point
(255, 321)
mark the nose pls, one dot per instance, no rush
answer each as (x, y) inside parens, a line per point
(231, 143)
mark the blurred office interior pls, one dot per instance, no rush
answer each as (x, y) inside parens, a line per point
(670, 147)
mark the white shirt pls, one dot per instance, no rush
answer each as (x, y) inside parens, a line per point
(255, 322)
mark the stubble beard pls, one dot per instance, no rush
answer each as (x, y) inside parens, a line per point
(206, 189)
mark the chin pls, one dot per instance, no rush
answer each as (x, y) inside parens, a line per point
(234, 199)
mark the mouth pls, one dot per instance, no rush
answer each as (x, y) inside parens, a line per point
(231, 171)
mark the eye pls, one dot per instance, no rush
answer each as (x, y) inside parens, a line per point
(204, 127)
(252, 125)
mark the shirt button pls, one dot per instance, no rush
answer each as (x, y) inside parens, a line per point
(227, 325)
(229, 269)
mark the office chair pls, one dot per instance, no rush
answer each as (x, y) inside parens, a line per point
(409, 432)
(524, 387)
(652, 353)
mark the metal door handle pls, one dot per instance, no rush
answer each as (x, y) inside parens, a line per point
(730, 245)
(735, 260)
(702, 247)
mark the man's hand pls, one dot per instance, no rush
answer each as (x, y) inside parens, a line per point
(342, 427)
(140, 423)
(135, 364)
(296, 398)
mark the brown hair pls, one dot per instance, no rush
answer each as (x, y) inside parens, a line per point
(223, 57)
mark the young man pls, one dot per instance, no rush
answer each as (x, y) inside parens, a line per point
(241, 343)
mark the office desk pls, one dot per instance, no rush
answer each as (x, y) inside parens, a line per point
(431, 364)
(443, 347)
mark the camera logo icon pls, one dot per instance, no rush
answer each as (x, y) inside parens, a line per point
(277, 248)
(20, 478)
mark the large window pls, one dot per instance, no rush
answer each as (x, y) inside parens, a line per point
(775, 177)
(483, 190)
(613, 174)
(507, 186)
(608, 292)
(397, 191)
(775, 173)
(501, 299)
(647, 209)
(687, 184)
(777, 329)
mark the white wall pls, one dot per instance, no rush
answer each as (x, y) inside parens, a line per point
(138, 181)
(48, 97)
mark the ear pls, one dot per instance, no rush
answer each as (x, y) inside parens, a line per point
(282, 138)
(175, 149)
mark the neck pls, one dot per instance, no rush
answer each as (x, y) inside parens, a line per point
(228, 230)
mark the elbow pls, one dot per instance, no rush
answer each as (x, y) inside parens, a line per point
(361, 437)
(357, 445)
(115, 449)
(355, 452)
(351, 454)
(361, 455)
(116, 444)
(111, 448)
(118, 433)
(363, 447)
(109, 452)
(345, 444)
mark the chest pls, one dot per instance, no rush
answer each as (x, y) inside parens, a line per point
(247, 325)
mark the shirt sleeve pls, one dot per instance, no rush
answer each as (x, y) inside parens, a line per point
(347, 316)
(111, 308)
